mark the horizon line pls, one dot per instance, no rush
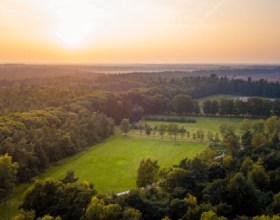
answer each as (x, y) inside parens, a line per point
(141, 63)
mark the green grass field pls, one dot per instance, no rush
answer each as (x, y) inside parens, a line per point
(206, 123)
(112, 166)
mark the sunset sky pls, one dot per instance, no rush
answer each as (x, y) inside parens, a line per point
(140, 31)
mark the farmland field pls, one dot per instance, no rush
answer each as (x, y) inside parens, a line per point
(112, 166)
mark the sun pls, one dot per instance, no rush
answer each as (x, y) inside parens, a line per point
(72, 34)
(74, 23)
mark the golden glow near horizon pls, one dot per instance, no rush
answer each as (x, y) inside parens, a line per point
(147, 31)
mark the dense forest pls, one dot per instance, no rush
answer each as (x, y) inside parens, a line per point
(148, 93)
(40, 137)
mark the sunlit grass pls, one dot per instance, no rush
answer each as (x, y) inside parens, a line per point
(112, 166)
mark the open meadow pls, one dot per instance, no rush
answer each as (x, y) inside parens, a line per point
(112, 165)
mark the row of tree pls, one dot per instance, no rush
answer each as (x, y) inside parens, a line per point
(255, 107)
(172, 129)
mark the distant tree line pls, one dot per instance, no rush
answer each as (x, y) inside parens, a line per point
(197, 86)
(255, 107)
(134, 95)
(207, 86)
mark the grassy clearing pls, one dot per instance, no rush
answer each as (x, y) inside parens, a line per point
(206, 123)
(112, 165)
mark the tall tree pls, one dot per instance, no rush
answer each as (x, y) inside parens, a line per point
(242, 196)
(230, 139)
(162, 130)
(125, 125)
(258, 177)
(147, 172)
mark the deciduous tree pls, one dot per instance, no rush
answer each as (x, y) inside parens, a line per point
(147, 172)
(125, 125)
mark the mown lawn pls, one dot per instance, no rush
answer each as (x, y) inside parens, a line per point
(112, 166)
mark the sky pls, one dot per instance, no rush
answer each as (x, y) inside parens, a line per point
(140, 31)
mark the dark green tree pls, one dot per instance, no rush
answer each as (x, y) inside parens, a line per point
(183, 104)
(8, 174)
(147, 172)
(243, 196)
(162, 130)
(125, 126)
(53, 197)
(70, 177)
(258, 177)
(131, 214)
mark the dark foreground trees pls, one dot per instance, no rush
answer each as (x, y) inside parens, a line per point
(53, 197)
